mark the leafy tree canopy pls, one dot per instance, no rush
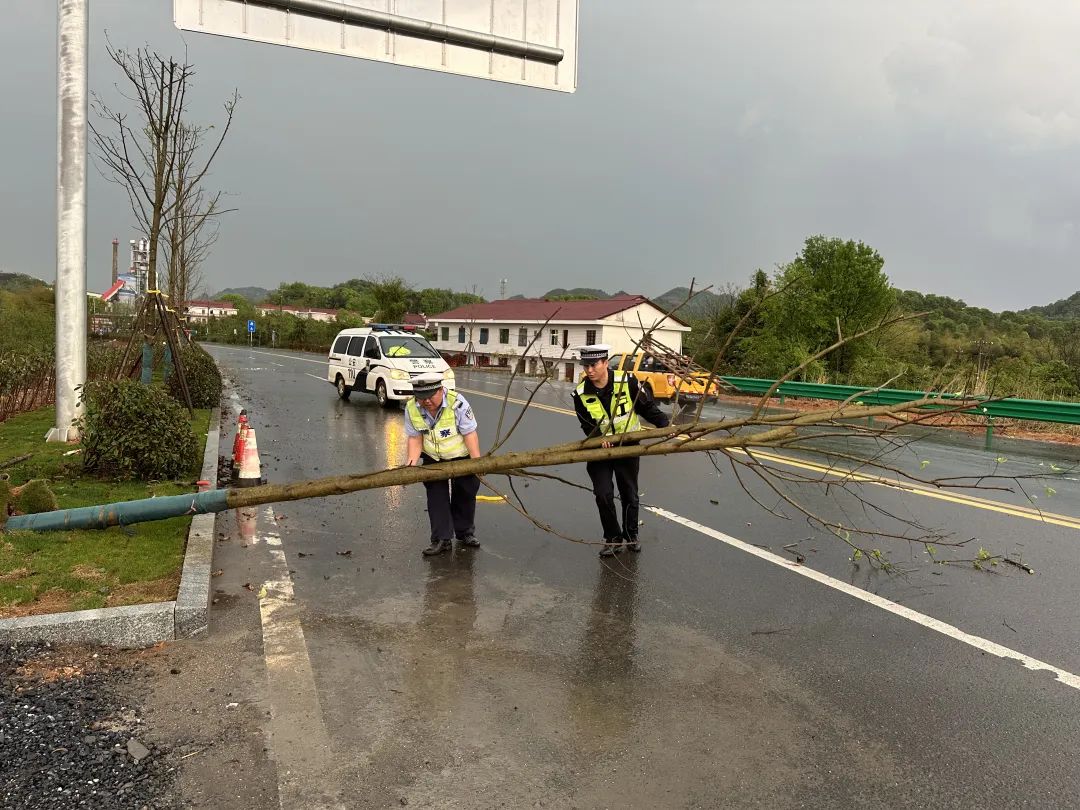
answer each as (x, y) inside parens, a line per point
(835, 286)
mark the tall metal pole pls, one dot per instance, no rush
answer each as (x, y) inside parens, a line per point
(73, 24)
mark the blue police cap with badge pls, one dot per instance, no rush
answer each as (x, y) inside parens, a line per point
(594, 352)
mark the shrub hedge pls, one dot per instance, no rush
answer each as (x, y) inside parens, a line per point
(203, 378)
(136, 431)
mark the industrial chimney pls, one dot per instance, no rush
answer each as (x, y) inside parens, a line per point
(115, 249)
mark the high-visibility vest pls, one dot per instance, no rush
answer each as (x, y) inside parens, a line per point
(622, 418)
(442, 441)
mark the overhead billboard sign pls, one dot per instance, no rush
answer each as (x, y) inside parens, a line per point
(527, 42)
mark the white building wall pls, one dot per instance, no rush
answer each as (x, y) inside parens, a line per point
(575, 337)
(203, 313)
(622, 331)
(622, 338)
(306, 314)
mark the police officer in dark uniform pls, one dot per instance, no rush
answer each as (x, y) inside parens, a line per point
(608, 403)
(441, 427)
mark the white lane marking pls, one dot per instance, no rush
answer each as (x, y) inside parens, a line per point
(271, 354)
(316, 377)
(300, 743)
(1067, 678)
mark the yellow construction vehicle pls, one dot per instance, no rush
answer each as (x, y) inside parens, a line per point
(667, 375)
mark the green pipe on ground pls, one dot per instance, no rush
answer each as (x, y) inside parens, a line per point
(121, 514)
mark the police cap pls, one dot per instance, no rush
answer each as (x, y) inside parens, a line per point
(426, 384)
(593, 352)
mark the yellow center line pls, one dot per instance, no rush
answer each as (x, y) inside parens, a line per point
(927, 491)
(975, 502)
(499, 397)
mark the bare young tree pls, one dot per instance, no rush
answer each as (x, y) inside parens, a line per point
(140, 152)
(192, 229)
(189, 236)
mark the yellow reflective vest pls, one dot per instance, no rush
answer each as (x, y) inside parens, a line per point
(442, 441)
(623, 419)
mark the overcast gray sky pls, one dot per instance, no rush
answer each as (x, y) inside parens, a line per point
(706, 139)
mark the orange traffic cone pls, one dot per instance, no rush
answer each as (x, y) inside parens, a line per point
(250, 470)
(238, 442)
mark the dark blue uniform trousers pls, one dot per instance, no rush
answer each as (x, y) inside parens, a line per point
(625, 471)
(451, 505)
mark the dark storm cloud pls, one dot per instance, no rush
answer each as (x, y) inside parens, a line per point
(706, 139)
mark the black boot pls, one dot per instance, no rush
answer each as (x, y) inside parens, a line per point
(611, 548)
(437, 547)
(633, 544)
(469, 541)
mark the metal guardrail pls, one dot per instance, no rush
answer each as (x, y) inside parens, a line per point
(1034, 410)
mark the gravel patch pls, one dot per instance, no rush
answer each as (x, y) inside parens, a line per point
(70, 739)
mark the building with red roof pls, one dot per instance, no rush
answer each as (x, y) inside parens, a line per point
(201, 311)
(112, 293)
(308, 313)
(530, 331)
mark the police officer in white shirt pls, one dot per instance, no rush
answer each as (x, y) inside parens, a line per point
(441, 427)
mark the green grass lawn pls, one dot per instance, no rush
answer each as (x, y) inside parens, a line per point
(77, 570)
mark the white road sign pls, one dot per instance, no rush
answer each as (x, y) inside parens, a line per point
(529, 42)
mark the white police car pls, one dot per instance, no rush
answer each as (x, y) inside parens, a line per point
(382, 360)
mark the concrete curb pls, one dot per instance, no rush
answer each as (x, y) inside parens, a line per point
(193, 596)
(140, 625)
(129, 626)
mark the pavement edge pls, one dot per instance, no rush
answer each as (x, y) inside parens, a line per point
(193, 595)
(140, 625)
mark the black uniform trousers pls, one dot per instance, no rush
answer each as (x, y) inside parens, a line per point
(451, 505)
(625, 471)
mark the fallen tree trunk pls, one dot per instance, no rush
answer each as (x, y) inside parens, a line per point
(770, 431)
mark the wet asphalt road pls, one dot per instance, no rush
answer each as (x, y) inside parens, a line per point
(693, 675)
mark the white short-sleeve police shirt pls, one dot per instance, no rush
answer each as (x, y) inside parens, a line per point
(463, 416)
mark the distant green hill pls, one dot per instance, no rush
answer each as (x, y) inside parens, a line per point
(1065, 309)
(577, 292)
(255, 295)
(15, 282)
(701, 305)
